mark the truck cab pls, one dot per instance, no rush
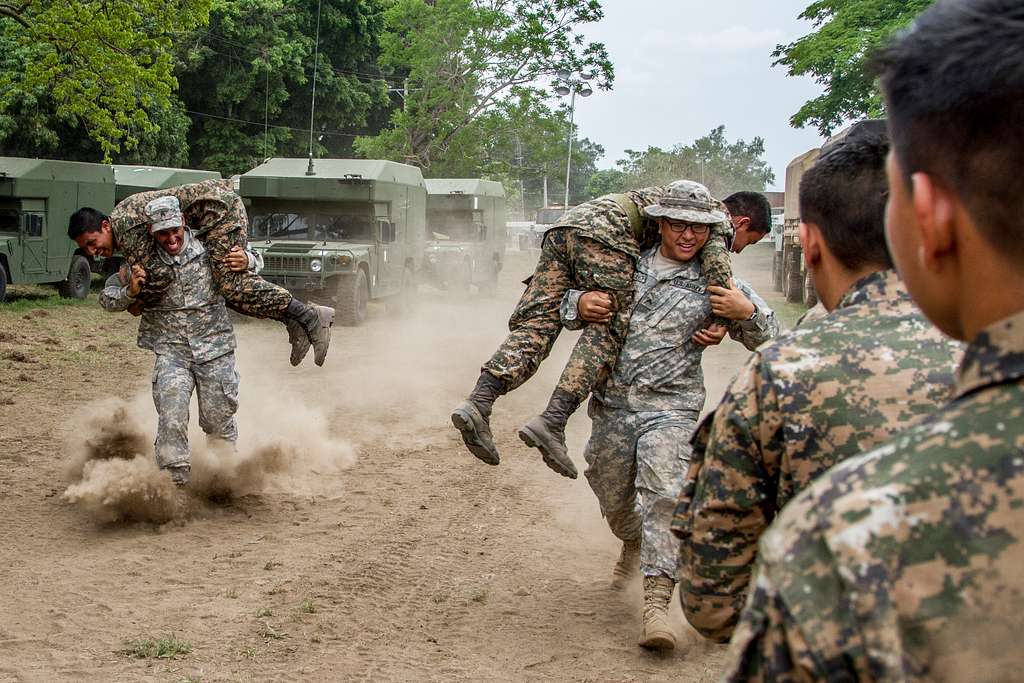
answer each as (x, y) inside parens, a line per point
(466, 234)
(339, 231)
(37, 198)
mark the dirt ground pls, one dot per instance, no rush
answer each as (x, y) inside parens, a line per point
(366, 544)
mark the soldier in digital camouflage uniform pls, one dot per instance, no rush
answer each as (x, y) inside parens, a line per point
(827, 390)
(593, 247)
(217, 216)
(904, 564)
(188, 330)
(644, 414)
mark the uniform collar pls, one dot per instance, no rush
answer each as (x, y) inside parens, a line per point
(689, 268)
(881, 285)
(995, 356)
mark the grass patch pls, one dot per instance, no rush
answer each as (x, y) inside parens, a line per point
(307, 606)
(264, 612)
(167, 647)
(480, 596)
(231, 594)
(22, 298)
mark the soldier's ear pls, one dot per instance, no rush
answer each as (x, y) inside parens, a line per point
(934, 208)
(811, 242)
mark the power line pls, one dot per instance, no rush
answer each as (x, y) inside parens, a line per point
(257, 123)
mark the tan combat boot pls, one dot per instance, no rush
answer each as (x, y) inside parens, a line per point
(627, 566)
(658, 633)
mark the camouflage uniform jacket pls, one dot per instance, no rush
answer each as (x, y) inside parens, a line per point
(603, 220)
(827, 390)
(659, 367)
(190, 322)
(905, 563)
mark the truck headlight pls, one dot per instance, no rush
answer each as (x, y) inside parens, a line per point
(315, 265)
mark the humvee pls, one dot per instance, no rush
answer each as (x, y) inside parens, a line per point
(339, 231)
(465, 234)
(129, 180)
(37, 197)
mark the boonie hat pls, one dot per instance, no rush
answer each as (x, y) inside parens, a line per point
(164, 213)
(688, 201)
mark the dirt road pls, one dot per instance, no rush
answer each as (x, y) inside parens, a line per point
(383, 551)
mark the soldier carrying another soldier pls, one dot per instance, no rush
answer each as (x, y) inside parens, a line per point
(218, 218)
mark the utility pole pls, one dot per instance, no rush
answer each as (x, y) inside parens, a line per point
(567, 84)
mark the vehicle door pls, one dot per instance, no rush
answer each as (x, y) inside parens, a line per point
(384, 238)
(33, 240)
(481, 241)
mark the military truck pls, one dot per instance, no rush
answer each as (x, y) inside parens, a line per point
(797, 285)
(466, 232)
(37, 197)
(340, 231)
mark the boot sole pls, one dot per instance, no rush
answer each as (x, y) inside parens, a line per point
(659, 641)
(531, 439)
(326, 316)
(464, 423)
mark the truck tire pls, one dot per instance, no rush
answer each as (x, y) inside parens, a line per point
(79, 279)
(404, 302)
(810, 294)
(794, 276)
(488, 287)
(3, 282)
(351, 298)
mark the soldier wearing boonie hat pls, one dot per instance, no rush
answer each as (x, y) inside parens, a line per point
(164, 214)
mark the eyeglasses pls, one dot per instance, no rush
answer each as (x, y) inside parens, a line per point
(695, 228)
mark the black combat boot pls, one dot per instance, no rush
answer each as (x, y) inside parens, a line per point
(546, 432)
(308, 324)
(473, 417)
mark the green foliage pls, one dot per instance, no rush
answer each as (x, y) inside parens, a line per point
(254, 63)
(470, 66)
(607, 181)
(725, 167)
(836, 53)
(104, 67)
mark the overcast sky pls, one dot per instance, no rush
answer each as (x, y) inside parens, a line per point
(683, 67)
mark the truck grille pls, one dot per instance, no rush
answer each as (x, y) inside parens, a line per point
(279, 263)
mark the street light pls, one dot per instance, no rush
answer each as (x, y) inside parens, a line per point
(567, 84)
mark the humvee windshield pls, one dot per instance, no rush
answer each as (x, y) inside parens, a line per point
(329, 224)
(455, 225)
(9, 220)
(549, 216)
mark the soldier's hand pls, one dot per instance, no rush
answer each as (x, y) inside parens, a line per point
(710, 336)
(136, 309)
(237, 260)
(596, 307)
(137, 281)
(124, 274)
(731, 303)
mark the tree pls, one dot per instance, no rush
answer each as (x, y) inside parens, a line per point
(723, 166)
(254, 64)
(607, 181)
(104, 67)
(462, 59)
(836, 53)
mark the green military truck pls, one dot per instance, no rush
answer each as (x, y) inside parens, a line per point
(343, 232)
(466, 233)
(37, 197)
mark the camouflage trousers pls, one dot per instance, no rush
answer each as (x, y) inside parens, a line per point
(715, 259)
(568, 260)
(217, 217)
(216, 385)
(636, 463)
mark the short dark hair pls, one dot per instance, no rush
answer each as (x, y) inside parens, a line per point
(844, 193)
(954, 92)
(85, 219)
(754, 206)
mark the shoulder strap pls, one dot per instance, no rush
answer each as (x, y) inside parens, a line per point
(631, 211)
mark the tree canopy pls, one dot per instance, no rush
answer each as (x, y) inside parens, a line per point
(836, 53)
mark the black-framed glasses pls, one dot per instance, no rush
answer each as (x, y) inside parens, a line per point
(682, 226)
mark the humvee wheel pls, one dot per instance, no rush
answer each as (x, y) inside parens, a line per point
(351, 298)
(810, 294)
(403, 302)
(76, 286)
(3, 282)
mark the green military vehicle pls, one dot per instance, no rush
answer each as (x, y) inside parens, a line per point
(37, 197)
(342, 231)
(465, 234)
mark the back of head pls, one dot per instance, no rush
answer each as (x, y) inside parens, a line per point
(754, 206)
(84, 220)
(845, 192)
(954, 91)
